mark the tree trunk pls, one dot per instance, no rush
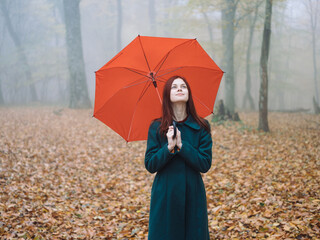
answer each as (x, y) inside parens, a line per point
(78, 86)
(3, 36)
(284, 77)
(152, 18)
(21, 53)
(58, 14)
(227, 17)
(247, 96)
(313, 19)
(315, 106)
(44, 90)
(1, 96)
(209, 27)
(315, 75)
(167, 14)
(119, 25)
(263, 96)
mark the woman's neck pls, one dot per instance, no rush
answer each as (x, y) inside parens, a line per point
(179, 111)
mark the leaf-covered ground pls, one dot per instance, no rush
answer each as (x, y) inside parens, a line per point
(65, 175)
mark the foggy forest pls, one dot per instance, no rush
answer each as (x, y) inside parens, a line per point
(34, 68)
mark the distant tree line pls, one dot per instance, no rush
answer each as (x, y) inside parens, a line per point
(44, 59)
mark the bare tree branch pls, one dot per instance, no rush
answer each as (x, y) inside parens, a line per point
(249, 11)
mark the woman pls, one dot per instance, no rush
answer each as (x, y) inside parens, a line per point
(178, 208)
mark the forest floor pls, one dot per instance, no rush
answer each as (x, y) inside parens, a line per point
(65, 175)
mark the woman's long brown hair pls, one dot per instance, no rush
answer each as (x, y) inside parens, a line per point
(167, 111)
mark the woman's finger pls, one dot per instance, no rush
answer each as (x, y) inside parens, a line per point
(170, 133)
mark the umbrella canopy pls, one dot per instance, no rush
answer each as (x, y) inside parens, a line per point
(129, 87)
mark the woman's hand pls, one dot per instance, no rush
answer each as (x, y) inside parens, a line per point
(178, 137)
(171, 142)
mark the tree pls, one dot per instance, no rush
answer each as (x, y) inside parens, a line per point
(22, 56)
(263, 96)
(279, 65)
(228, 34)
(119, 25)
(78, 86)
(63, 86)
(1, 41)
(313, 10)
(166, 21)
(205, 6)
(252, 22)
(152, 17)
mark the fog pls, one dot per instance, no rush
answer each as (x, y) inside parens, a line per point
(39, 26)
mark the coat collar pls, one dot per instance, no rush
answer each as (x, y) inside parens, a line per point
(191, 123)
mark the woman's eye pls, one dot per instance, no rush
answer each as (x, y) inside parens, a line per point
(184, 86)
(173, 87)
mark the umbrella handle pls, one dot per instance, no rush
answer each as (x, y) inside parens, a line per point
(174, 129)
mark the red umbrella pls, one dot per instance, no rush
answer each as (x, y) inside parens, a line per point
(129, 87)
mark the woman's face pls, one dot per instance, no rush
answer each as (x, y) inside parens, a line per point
(179, 91)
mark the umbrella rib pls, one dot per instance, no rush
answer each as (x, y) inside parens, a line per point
(134, 112)
(132, 85)
(162, 62)
(144, 54)
(171, 71)
(149, 78)
(165, 58)
(162, 80)
(190, 66)
(132, 70)
(143, 91)
(202, 103)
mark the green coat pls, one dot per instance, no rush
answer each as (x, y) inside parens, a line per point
(178, 207)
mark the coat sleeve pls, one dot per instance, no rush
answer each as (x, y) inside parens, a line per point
(156, 157)
(199, 159)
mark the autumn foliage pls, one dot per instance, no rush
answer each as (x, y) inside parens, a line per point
(65, 175)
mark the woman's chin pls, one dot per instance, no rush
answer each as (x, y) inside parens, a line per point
(179, 100)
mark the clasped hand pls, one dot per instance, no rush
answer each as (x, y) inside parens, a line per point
(173, 142)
